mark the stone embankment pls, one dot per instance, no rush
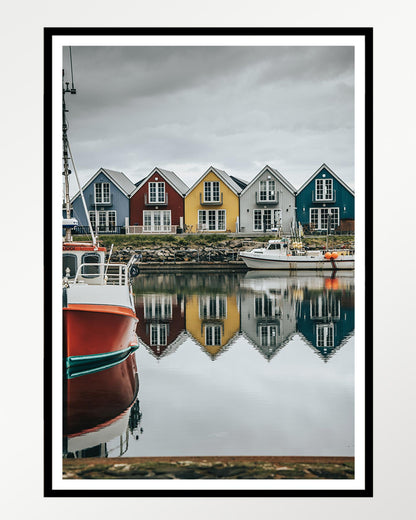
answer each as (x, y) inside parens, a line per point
(226, 252)
(211, 468)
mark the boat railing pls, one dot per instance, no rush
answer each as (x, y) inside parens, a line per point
(102, 274)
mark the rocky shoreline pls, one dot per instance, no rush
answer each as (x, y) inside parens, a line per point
(223, 252)
(173, 254)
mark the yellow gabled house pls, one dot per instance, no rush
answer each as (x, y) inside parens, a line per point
(212, 204)
(213, 321)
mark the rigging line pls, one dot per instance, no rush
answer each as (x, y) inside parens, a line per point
(94, 240)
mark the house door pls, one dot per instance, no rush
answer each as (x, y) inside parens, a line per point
(156, 221)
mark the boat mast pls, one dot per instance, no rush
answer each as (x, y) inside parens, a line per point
(67, 171)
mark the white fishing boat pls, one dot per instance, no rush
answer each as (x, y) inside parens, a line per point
(99, 317)
(284, 254)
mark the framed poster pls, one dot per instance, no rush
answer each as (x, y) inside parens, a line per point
(221, 178)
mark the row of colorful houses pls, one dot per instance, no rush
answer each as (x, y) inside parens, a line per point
(217, 202)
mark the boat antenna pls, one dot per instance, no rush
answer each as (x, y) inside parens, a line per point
(67, 171)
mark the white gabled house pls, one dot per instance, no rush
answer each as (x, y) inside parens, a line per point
(268, 203)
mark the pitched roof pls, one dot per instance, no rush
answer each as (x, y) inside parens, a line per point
(332, 173)
(118, 178)
(278, 176)
(242, 183)
(227, 179)
(169, 176)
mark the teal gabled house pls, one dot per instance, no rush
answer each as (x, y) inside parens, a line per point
(325, 194)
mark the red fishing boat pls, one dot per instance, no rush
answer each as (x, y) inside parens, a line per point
(99, 318)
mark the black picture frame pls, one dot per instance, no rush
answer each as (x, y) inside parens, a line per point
(49, 34)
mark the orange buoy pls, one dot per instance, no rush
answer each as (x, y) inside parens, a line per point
(328, 283)
(328, 255)
(334, 284)
(334, 255)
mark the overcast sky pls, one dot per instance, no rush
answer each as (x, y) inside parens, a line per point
(236, 108)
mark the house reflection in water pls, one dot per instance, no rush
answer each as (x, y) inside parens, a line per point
(326, 316)
(161, 325)
(266, 308)
(213, 321)
(268, 318)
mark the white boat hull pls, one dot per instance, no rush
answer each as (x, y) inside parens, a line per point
(293, 262)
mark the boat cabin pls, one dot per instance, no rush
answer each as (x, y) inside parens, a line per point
(276, 245)
(77, 254)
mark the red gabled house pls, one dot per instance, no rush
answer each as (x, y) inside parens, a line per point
(157, 203)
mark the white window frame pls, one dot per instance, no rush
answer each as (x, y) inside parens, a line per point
(99, 213)
(99, 197)
(209, 191)
(157, 199)
(157, 307)
(216, 303)
(325, 335)
(327, 194)
(216, 335)
(275, 218)
(272, 331)
(161, 214)
(268, 191)
(203, 219)
(335, 221)
(158, 328)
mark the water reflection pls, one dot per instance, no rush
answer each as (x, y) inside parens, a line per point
(266, 308)
(257, 363)
(101, 410)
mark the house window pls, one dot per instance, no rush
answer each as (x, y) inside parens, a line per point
(157, 192)
(158, 307)
(267, 190)
(92, 220)
(324, 307)
(111, 220)
(212, 220)
(325, 335)
(212, 307)
(107, 220)
(266, 219)
(268, 335)
(213, 335)
(319, 218)
(101, 193)
(212, 191)
(158, 334)
(323, 189)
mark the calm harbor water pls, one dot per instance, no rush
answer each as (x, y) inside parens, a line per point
(256, 363)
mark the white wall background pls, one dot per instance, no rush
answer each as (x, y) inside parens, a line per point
(21, 52)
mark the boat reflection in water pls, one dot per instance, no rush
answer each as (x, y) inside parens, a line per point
(101, 409)
(277, 346)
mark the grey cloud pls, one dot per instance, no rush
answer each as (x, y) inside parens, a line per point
(184, 108)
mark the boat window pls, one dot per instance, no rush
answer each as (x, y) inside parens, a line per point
(69, 261)
(90, 270)
(274, 246)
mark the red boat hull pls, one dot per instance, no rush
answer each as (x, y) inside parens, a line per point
(96, 400)
(97, 330)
